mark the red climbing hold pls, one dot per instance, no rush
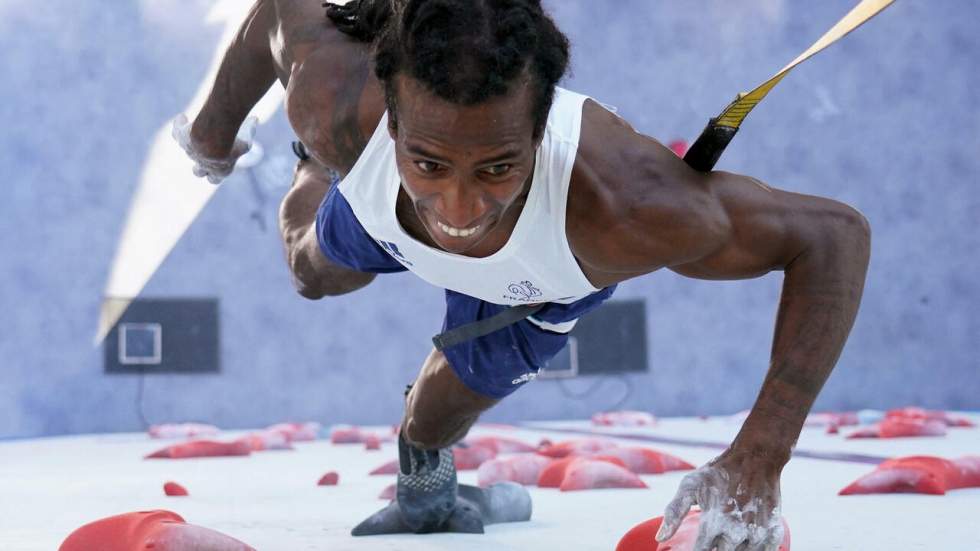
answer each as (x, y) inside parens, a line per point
(158, 530)
(298, 432)
(642, 537)
(388, 493)
(174, 489)
(469, 458)
(182, 430)
(589, 474)
(932, 415)
(918, 474)
(346, 435)
(329, 479)
(899, 427)
(390, 467)
(501, 444)
(267, 440)
(553, 475)
(583, 446)
(624, 419)
(522, 468)
(202, 448)
(647, 461)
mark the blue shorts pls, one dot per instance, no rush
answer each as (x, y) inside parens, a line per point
(494, 365)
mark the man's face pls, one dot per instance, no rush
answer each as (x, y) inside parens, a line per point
(463, 166)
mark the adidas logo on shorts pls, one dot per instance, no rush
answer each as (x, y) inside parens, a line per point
(527, 377)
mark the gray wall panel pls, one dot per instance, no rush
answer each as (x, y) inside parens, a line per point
(884, 120)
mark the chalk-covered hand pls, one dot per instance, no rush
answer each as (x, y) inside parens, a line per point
(215, 169)
(739, 499)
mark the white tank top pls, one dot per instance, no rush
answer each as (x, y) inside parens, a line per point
(535, 265)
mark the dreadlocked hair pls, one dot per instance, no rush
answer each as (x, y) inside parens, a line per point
(361, 19)
(463, 51)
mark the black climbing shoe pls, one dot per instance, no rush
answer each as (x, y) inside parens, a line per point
(428, 499)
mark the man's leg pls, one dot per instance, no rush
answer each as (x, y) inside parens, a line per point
(439, 411)
(439, 408)
(444, 403)
(452, 390)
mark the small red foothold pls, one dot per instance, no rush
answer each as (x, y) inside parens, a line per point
(346, 435)
(469, 458)
(388, 492)
(372, 442)
(174, 489)
(329, 479)
(203, 448)
(390, 467)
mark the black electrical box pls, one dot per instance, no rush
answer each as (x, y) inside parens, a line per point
(165, 336)
(610, 339)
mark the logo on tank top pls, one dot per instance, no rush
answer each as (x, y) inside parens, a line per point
(525, 378)
(524, 291)
(392, 249)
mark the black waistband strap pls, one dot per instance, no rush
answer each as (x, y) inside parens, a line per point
(483, 327)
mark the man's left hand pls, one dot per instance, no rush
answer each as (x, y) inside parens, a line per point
(739, 499)
(214, 169)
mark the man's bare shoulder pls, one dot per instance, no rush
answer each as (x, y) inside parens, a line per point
(631, 202)
(333, 100)
(301, 27)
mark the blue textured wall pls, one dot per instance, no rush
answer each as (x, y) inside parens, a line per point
(885, 121)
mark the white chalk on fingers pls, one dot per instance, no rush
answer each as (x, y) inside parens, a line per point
(251, 157)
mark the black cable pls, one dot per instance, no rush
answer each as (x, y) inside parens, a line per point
(627, 386)
(260, 199)
(581, 395)
(140, 411)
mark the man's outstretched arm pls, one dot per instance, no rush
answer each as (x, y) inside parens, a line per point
(823, 247)
(640, 208)
(725, 226)
(244, 76)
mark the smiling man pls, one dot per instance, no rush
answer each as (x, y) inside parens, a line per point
(434, 139)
